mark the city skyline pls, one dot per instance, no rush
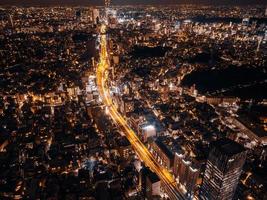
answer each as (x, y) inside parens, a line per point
(133, 102)
(127, 2)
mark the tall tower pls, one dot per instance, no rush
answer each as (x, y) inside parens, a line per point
(107, 3)
(260, 38)
(223, 169)
(11, 21)
(95, 16)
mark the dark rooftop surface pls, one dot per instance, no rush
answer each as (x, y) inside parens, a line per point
(164, 148)
(252, 125)
(153, 177)
(228, 147)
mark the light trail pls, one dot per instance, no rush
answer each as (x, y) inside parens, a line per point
(169, 184)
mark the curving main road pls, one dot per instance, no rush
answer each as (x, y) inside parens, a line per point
(167, 179)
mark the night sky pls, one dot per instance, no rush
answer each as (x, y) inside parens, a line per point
(100, 2)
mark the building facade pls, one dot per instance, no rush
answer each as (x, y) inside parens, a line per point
(223, 169)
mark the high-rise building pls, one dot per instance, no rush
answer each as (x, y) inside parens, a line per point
(146, 131)
(150, 184)
(96, 16)
(107, 3)
(265, 36)
(260, 38)
(78, 14)
(223, 169)
(11, 21)
(186, 171)
(163, 152)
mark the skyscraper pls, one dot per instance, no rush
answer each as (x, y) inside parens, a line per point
(186, 171)
(11, 21)
(107, 3)
(223, 169)
(150, 184)
(95, 16)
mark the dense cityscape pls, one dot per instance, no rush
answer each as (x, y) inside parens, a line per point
(135, 102)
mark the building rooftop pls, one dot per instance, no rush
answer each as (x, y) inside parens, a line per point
(228, 147)
(163, 146)
(253, 126)
(153, 177)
